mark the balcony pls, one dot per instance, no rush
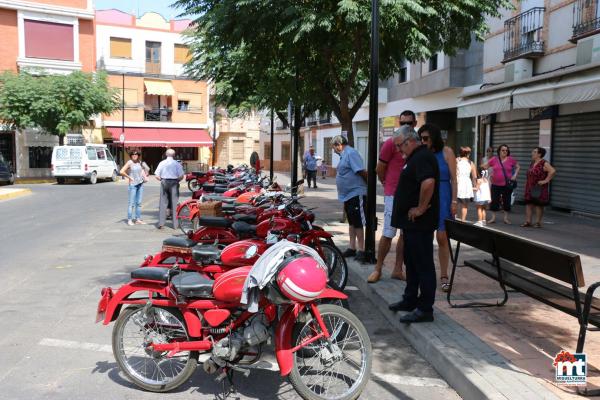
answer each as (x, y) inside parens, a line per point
(586, 19)
(153, 68)
(158, 114)
(523, 35)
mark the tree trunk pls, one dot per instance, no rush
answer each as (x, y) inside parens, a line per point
(61, 140)
(347, 126)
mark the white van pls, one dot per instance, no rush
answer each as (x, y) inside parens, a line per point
(90, 162)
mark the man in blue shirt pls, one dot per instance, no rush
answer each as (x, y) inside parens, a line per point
(351, 182)
(169, 172)
(310, 166)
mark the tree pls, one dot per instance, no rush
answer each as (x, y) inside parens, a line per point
(318, 52)
(55, 104)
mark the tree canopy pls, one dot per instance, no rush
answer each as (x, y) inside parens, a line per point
(317, 52)
(56, 104)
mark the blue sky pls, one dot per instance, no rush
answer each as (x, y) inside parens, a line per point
(162, 7)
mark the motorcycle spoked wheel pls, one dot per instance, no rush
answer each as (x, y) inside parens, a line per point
(338, 269)
(185, 223)
(318, 376)
(193, 185)
(150, 370)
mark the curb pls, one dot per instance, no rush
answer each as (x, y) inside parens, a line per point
(14, 193)
(27, 181)
(470, 366)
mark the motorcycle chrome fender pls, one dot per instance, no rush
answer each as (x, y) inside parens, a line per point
(285, 328)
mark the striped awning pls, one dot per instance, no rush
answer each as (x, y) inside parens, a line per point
(159, 88)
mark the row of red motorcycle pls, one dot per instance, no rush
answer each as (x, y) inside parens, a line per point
(261, 275)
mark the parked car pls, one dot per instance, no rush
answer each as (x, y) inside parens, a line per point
(6, 176)
(90, 163)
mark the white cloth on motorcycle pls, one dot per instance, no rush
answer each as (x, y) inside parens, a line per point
(192, 284)
(177, 241)
(218, 222)
(248, 218)
(265, 268)
(242, 227)
(206, 253)
(152, 274)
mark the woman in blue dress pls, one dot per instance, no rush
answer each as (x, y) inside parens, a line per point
(431, 136)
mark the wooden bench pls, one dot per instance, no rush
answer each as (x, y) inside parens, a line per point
(547, 274)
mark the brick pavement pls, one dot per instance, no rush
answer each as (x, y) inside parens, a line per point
(498, 346)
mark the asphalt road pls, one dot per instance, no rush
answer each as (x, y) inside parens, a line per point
(60, 245)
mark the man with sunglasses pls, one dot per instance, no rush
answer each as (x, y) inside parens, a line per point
(389, 168)
(416, 212)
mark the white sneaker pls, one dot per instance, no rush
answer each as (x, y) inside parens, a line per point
(479, 223)
(130, 222)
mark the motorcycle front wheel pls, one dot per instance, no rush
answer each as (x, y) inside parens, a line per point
(340, 367)
(193, 185)
(134, 330)
(338, 269)
(186, 223)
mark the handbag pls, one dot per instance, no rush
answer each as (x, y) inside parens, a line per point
(512, 185)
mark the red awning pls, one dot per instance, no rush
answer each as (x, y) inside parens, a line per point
(162, 137)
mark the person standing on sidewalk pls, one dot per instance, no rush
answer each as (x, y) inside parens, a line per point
(310, 166)
(504, 179)
(136, 174)
(169, 172)
(351, 182)
(416, 212)
(389, 168)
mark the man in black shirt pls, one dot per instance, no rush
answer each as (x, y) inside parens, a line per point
(416, 212)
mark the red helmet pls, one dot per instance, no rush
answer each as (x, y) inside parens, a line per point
(302, 278)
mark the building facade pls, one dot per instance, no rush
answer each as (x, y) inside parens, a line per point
(541, 87)
(53, 36)
(161, 106)
(237, 138)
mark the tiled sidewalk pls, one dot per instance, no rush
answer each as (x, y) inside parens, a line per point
(516, 342)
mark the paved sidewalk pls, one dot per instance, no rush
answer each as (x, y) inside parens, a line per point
(503, 352)
(12, 192)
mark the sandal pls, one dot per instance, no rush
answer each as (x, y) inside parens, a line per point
(399, 276)
(526, 225)
(445, 283)
(374, 277)
(537, 225)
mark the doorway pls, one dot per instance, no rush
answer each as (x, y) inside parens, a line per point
(152, 156)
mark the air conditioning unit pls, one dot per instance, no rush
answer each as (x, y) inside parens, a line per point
(518, 70)
(588, 50)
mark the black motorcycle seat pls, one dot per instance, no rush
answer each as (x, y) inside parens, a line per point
(178, 241)
(192, 284)
(152, 274)
(249, 218)
(221, 189)
(218, 222)
(243, 227)
(198, 174)
(206, 253)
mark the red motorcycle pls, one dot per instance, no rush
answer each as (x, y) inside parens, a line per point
(166, 317)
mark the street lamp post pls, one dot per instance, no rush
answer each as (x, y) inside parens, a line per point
(122, 120)
(373, 136)
(214, 138)
(272, 145)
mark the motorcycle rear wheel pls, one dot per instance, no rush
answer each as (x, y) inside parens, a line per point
(344, 377)
(193, 185)
(151, 370)
(338, 269)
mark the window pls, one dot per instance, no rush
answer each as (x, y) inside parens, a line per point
(109, 156)
(153, 57)
(182, 54)
(40, 157)
(285, 151)
(194, 101)
(120, 48)
(91, 153)
(267, 153)
(403, 73)
(256, 146)
(131, 98)
(237, 149)
(433, 63)
(183, 105)
(100, 153)
(327, 151)
(48, 40)
(187, 153)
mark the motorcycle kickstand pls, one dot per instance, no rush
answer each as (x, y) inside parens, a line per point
(226, 392)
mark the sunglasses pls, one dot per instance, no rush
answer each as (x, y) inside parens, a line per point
(406, 123)
(424, 138)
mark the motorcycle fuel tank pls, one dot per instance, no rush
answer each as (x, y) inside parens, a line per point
(234, 255)
(228, 287)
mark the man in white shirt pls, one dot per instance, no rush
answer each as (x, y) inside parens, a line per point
(169, 172)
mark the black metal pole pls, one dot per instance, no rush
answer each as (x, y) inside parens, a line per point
(294, 147)
(272, 146)
(123, 120)
(373, 136)
(214, 138)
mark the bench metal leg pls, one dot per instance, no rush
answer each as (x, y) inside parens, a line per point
(472, 304)
(583, 328)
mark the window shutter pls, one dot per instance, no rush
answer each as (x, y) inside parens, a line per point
(195, 100)
(182, 54)
(120, 48)
(48, 40)
(131, 97)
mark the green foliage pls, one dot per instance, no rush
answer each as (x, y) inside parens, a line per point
(56, 104)
(318, 52)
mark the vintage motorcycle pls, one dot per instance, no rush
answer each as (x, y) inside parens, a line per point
(166, 317)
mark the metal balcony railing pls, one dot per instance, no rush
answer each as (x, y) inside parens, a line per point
(586, 19)
(158, 114)
(523, 35)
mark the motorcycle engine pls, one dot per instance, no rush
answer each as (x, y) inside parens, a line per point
(253, 333)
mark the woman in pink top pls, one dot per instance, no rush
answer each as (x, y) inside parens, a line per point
(505, 169)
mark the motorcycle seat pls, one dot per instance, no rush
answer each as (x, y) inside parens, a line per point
(221, 189)
(198, 174)
(178, 241)
(206, 253)
(152, 274)
(193, 284)
(243, 227)
(249, 218)
(218, 222)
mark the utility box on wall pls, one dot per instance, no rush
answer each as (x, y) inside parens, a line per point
(588, 50)
(518, 70)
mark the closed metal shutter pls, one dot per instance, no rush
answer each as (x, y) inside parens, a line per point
(576, 157)
(522, 137)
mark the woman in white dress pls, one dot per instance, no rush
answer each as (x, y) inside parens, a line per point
(466, 181)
